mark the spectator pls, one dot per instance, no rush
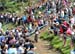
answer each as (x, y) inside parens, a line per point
(0, 25)
(12, 49)
(36, 35)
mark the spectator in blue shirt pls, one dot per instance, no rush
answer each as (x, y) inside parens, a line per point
(2, 38)
(24, 19)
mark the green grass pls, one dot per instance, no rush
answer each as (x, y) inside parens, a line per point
(9, 26)
(56, 42)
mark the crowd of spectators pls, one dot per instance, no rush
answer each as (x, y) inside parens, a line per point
(17, 40)
(58, 14)
(62, 20)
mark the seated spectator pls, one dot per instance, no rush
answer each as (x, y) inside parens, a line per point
(4, 49)
(12, 49)
(31, 51)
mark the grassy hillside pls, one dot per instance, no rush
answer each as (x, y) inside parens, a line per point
(56, 43)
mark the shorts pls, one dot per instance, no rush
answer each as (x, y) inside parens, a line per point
(64, 36)
(25, 21)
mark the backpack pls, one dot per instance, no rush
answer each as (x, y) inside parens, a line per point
(64, 28)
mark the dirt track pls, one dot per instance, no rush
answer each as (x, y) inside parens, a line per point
(42, 47)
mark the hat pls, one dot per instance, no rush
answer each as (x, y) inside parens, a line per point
(57, 23)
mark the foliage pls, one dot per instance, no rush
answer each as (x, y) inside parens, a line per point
(8, 26)
(56, 42)
(13, 5)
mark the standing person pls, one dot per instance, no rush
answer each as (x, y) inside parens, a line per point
(72, 21)
(21, 48)
(2, 17)
(0, 25)
(13, 20)
(63, 30)
(36, 35)
(30, 27)
(24, 19)
(70, 11)
(62, 13)
(73, 11)
(6, 18)
(73, 36)
(73, 40)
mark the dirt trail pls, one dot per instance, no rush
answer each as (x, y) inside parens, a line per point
(42, 47)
